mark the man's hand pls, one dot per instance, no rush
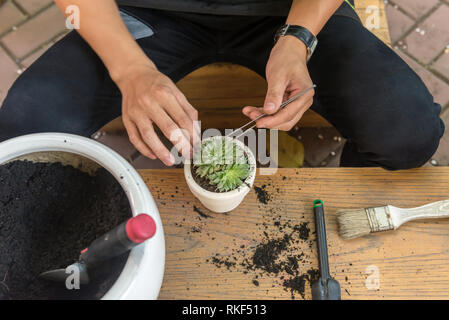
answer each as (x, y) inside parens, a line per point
(287, 75)
(149, 98)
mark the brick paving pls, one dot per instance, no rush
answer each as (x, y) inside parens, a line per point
(420, 35)
(27, 29)
(419, 31)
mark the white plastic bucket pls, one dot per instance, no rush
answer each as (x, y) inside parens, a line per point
(141, 278)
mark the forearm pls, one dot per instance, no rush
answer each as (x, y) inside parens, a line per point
(312, 14)
(102, 27)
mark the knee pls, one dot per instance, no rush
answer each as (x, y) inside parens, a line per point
(409, 140)
(35, 104)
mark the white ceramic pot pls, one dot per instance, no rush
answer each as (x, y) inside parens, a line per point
(222, 201)
(141, 278)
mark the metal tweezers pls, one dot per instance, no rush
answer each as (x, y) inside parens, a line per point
(263, 115)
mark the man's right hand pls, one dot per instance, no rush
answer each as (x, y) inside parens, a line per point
(150, 97)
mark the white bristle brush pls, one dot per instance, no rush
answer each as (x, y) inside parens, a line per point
(354, 223)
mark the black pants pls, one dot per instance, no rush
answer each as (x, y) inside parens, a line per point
(363, 88)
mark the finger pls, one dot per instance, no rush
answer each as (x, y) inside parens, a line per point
(188, 108)
(191, 111)
(180, 117)
(286, 114)
(151, 138)
(252, 112)
(136, 139)
(178, 136)
(275, 94)
(290, 124)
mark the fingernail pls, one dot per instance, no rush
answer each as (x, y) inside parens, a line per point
(270, 106)
(170, 159)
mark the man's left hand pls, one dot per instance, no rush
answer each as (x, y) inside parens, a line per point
(287, 75)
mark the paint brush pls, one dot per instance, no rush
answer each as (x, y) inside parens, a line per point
(354, 223)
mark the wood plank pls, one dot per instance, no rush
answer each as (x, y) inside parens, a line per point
(413, 261)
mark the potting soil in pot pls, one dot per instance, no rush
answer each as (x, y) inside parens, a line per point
(48, 213)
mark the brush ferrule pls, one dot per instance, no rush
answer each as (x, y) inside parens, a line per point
(379, 219)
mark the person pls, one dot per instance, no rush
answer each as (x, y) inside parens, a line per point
(126, 58)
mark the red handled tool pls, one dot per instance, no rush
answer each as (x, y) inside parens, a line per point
(112, 244)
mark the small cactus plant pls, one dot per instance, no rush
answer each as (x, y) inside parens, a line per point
(222, 163)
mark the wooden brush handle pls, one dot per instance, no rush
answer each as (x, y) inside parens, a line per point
(439, 209)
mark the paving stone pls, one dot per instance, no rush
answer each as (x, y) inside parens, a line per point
(398, 22)
(416, 8)
(8, 73)
(33, 57)
(333, 161)
(425, 47)
(32, 6)
(118, 142)
(10, 15)
(142, 162)
(318, 144)
(442, 65)
(35, 32)
(436, 86)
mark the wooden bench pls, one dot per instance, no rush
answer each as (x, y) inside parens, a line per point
(220, 90)
(412, 262)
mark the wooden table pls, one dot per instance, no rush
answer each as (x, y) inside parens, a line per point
(413, 262)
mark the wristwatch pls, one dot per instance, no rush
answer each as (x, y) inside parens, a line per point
(301, 33)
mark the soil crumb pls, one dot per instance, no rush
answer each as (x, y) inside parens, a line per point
(262, 194)
(266, 254)
(201, 213)
(303, 230)
(276, 255)
(48, 213)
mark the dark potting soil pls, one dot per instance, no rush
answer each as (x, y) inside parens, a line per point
(262, 194)
(48, 213)
(203, 182)
(275, 255)
(201, 213)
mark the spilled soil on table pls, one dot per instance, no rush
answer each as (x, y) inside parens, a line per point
(276, 254)
(48, 213)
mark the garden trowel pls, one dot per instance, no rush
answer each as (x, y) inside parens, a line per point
(112, 244)
(325, 288)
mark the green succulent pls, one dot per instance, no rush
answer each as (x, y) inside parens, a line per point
(223, 163)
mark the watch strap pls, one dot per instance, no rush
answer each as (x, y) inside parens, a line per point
(301, 33)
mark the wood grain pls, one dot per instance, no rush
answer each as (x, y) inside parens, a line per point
(413, 261)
